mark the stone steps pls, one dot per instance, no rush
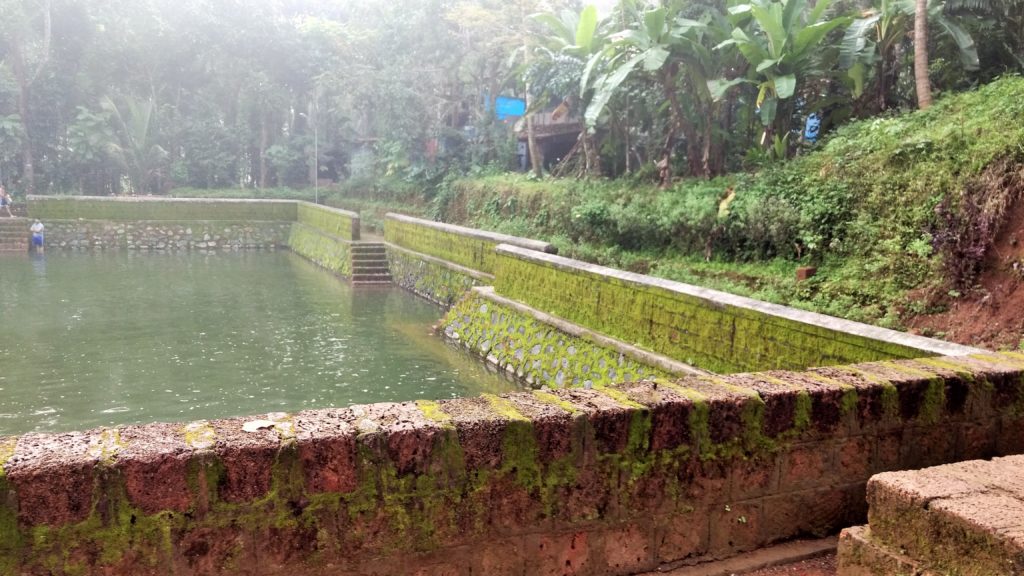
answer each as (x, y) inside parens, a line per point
(14, 234)
(965, 519)
(370, 264)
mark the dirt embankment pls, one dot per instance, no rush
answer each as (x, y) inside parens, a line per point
(990, 313)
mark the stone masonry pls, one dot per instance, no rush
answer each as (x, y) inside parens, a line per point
(169, 236)
(616, 480)
(965, 518)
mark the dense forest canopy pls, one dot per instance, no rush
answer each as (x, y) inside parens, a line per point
(141, 96)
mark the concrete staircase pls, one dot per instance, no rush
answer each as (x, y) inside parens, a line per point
(14, 234)
(370, 264)
(964, 519)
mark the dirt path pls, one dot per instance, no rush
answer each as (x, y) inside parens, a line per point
(823, 566)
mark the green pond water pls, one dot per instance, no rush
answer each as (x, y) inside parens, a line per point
(103, 339)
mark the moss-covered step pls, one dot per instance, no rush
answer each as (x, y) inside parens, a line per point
(965, 518)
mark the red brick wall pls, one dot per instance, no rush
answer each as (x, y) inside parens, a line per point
(569, 482)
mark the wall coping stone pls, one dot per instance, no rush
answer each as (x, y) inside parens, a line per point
(526, 243)
(723, 299)
(338, 211)
(159, 199)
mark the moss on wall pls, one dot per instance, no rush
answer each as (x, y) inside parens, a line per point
(474, 253)
(326, 250)
(331, 221)
(435, 282)
(537, 352)
(707, 334)
(75, 207)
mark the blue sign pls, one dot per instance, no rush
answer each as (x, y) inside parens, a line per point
(812, 127)
(505, 107)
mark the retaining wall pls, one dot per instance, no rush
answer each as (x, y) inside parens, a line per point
(612, 481)
(325, 235)
(544, 351)
(712, 330)
(143, 208)
(318, 233)
(441, 262)
(165, 235)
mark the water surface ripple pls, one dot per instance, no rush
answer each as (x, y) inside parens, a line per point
(116, 338)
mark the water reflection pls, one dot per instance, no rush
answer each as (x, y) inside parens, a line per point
(102, 339)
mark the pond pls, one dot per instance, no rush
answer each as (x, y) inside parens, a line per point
(104, 339)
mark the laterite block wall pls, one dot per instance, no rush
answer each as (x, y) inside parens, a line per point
(712, 330)
(589, 482)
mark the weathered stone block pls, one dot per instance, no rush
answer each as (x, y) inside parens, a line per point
(54, 477)
(806, 465)
(327, 450)
(629, 549)
(155, 462)
(736, 528)
(559, 554)
(683, 535)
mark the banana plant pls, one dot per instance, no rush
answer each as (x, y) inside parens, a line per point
(659, 46)
(780, 39)
(645, 45)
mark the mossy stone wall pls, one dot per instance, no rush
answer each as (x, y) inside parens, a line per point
(719, 332)
(433, 280)
(327, 250)
(321, 234)
(536, 352)
(467, 247)
(165, 235)
(153, 209)
(340, 223)
(613, 481)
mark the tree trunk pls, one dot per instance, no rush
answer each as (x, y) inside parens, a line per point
(264, 137)
(924, 89)
(536, 161)
(25, 78)
(311, 114)
(28, 171)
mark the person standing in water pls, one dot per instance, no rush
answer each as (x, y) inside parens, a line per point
(5, 201)
(37, 236)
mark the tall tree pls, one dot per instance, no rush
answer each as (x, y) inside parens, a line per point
(27, 34)
(921, 80)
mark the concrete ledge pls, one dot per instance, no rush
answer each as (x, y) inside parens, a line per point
(617, 480)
